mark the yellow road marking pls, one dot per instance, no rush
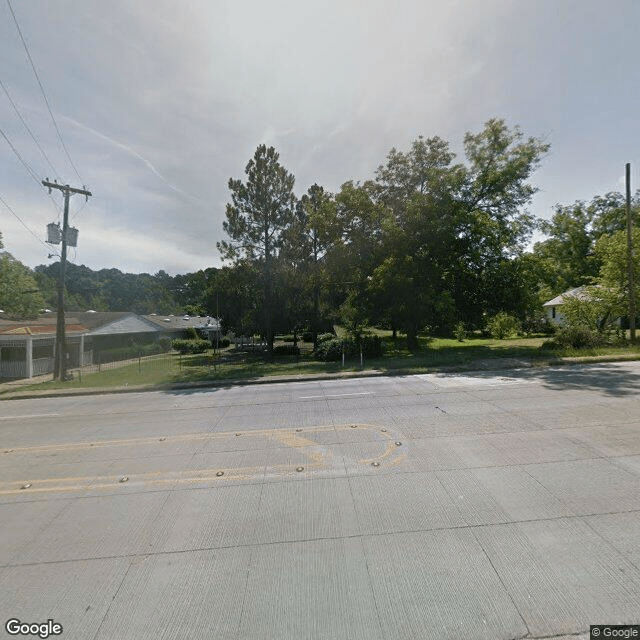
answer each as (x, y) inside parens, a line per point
(318, 455)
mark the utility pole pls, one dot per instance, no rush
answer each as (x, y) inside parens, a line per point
(218, 321)
(60, 359)
(632, 289)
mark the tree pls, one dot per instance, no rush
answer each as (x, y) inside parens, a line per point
(612, 251)
(567, 257)
(259, 212)
(312, 235)
(19, 295)
(450, 230)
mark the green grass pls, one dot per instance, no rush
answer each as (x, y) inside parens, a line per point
(434, 353)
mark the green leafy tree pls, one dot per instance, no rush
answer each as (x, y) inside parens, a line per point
(567, 256)
(19, 295)
(502, 326)
(450, 230)
(612, 251)
(595, 310)
(313, 233)
(260, 210)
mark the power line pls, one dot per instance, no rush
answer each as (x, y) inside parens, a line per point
(30, 171)
(22, 160)
(44, 95)
(26, 126)
(25, 225)
(82, 206)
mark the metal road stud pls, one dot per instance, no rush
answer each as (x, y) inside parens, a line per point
(354, 426)
(299, 469)
(238, 434)
(375, 464)
(124, 479)
(298, 430)
(26, 485)
(383, 430)
(162, 439)
(220, 473)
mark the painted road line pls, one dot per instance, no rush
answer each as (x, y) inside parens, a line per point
(337, 395)
(34, 415)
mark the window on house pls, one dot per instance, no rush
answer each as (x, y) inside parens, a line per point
(553, 312)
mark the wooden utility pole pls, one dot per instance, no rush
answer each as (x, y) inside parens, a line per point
(632, 289)
(60, 358)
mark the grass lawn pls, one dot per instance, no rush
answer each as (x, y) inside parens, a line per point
(434, 353)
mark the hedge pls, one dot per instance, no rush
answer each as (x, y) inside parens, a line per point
(190, 346)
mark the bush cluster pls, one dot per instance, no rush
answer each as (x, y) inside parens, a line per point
(134, 351)
(503, 325)
(331, 349)
(190, 346)
(460, 332)
(576, 337)
(286, 350)
(323, 337)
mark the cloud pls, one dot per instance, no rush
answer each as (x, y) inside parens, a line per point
(135, 154)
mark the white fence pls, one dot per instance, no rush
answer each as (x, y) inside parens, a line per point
(42, 366)
(13, 369)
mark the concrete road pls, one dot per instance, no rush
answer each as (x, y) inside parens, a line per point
(478, 506)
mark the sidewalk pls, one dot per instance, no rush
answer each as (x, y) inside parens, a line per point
(14, 389)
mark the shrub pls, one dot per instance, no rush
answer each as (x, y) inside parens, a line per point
(331, 350)
(538, 324)
(133, 351)
(190, 346)
(577, 337)
(286, 350)
(459, 332)
(323, 337)
(307, 336)
(371, 346)
(502, 325)
(224, 342)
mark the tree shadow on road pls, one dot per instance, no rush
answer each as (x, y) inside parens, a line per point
(609, 378)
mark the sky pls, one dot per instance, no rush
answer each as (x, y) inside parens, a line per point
(160, 102)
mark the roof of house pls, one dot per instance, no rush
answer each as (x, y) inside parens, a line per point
(176, 323)
(99, 323)
(581, 293)
(125, 323)
(89, 322)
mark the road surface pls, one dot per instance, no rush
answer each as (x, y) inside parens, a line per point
(474, 506)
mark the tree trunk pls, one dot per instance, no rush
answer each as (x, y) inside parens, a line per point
(412, 339)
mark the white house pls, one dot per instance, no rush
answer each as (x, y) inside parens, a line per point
(553, 308)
